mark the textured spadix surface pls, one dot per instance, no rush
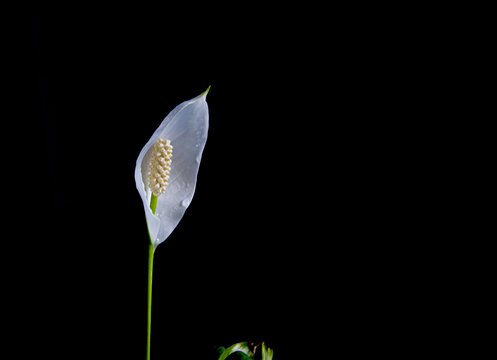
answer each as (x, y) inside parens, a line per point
(186, 126)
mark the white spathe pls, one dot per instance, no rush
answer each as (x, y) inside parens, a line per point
(186, 126)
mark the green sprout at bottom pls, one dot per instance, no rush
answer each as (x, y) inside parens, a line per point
(246, 352)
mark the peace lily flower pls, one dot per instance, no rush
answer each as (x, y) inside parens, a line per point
(165, 183)
(166, 169)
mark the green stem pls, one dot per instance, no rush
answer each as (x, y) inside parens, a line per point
(151, 248)
(153, 203)
(149, 302)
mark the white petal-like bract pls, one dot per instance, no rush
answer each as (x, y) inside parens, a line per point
(186, 127)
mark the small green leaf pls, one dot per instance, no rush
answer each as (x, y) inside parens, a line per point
(267, 353)
(241, 347)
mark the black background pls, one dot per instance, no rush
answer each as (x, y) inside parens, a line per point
(236, 267)
(275, 245)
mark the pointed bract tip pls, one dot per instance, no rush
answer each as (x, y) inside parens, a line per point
(206, 91)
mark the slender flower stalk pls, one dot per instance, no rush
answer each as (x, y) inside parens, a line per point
(166, 186)
(149, 296)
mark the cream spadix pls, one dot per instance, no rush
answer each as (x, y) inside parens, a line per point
(172, 181)
(160, 166)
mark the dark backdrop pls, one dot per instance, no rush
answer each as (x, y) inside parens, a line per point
(276, 244)
(233, 270)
